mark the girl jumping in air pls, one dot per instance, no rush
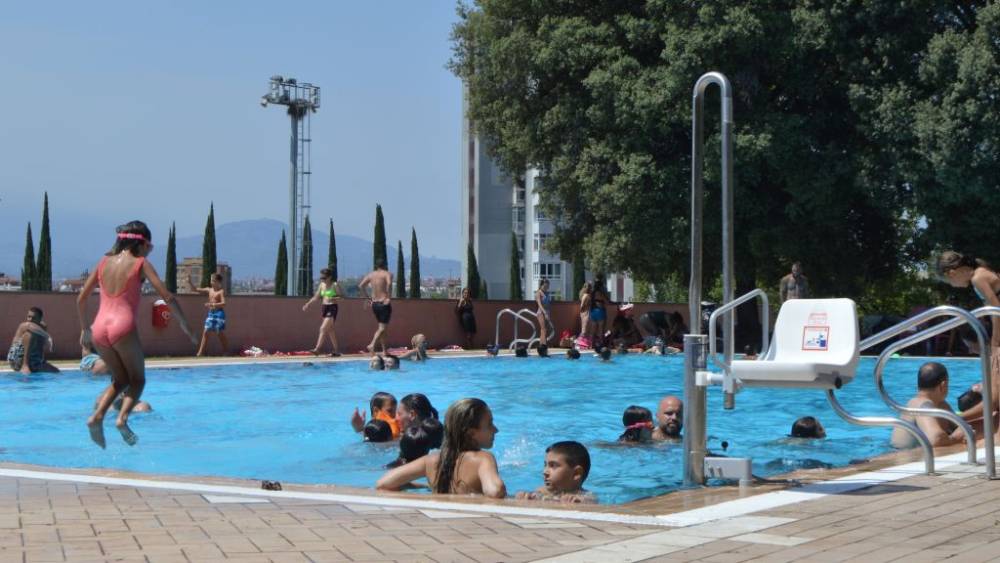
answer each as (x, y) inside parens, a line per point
(120, 275)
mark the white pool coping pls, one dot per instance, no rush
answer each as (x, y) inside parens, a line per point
(720, 511)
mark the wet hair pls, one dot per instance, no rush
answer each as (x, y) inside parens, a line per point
(805, 427)
(931, 375)
(605, 353)
(36, 314)
(390, 361)
(575, 453)
(379, 363)
(573, 354)
(421, 405)
(133, 245)
(217, 277)
(418, 440)
(521, 351)
(381, 401)
(378, 431)
(634, 414)
(622, 349)
(462, 416)
(748, 350)
(492, 349)
(380, 264)
(543, 351)
(951, 260)
(326, 273)
(969, 399)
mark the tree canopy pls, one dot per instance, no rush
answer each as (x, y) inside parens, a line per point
(849, 118)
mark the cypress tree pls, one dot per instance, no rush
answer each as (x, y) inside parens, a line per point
(472, 273)
(208, 264)
(414, 266)
(281, 268)
(400, 273)
(170, 272)
(28, 270)
(379, 240)
(579, 272)
(515, 269)
(43, 269)
(332, 253)
(305, 281)
(483, 291)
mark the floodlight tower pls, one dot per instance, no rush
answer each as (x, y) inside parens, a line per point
(302, 100)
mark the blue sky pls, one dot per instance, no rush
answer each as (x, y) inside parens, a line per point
(149, 110)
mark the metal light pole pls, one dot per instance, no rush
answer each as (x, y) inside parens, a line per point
(302, 100)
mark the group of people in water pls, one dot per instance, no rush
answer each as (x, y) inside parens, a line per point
(110, 342)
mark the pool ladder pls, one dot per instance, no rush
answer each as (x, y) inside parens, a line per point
(519, 315)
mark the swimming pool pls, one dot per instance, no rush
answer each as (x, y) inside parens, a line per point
(290, 422)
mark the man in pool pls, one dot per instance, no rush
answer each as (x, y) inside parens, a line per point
(669, 419)
(380, 281)
(932, 391)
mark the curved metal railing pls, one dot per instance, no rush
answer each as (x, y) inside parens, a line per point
(518, 316)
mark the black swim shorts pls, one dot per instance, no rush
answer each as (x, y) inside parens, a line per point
(382, 312)
(330, 311)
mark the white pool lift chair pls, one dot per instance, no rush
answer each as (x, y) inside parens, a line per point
(815, 345)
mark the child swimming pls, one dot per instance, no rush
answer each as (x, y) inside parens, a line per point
(418, 440)
(382, 407)
(638, 423)
(462, 466)
(567, 465)
(120, 275)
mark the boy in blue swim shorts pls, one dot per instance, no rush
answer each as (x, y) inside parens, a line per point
(215, 321)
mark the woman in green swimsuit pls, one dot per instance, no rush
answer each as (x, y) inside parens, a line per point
(329, 291)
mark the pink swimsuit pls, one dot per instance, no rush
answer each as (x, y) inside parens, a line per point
(116, 315)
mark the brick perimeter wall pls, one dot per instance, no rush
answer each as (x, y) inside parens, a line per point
(278, 323)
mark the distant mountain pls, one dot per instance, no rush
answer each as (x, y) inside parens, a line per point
(249, 247)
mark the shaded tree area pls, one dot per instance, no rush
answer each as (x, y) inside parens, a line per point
(378, 242)
(170, 271)
(28, 269)
(400, 289)
(414, 265)
(849, 119)
(43, 267)
(305, 270)
(281, 267)
(208, 257)
(332, 253)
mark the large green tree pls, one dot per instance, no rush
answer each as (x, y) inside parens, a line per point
(208, 258)
(305, 277)
(516, 293)
(281, 267)
(472, 273)
(597, 96)
(379, 249)
(414, 265)
(43, 267)
(332, 252)
(28, 269)
(400, 289)
(170, 272)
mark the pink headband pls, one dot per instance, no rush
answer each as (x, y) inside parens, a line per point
(132, 236)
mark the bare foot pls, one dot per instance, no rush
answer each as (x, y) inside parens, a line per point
(314, 351)
(130, 437)
(370, 348)
(96, 428)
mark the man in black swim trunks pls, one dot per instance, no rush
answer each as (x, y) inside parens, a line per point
(380, 281)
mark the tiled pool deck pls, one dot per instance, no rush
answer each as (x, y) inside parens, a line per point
(855, 514)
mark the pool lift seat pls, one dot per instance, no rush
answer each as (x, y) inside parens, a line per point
(815, 345)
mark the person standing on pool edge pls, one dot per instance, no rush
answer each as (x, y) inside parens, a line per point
(329, 291)
(120, 275)
(380, 281)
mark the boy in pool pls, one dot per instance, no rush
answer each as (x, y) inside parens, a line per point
(567, 465)
(216, 319)
(383, 407)
(90, 361)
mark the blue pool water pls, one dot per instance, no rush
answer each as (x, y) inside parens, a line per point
(290, 422)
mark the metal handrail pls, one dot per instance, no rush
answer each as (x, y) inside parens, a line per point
(765, 326)
(910, 427)
(961, 316)
(970, 436)
(518, 315)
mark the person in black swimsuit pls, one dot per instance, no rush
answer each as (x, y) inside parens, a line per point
(466, 317)
(380, 281)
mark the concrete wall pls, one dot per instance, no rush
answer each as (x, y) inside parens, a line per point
(278, 323)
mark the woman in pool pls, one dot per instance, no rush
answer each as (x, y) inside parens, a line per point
(585, 296)
(461, 467)
(466, 317)
(544, 301)
(963, 271)
(329, 291)
(120, 275)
